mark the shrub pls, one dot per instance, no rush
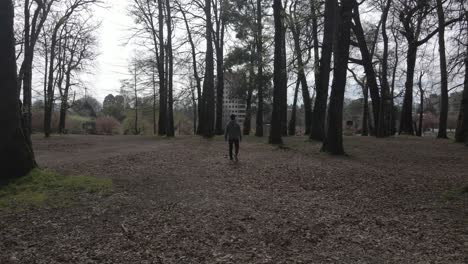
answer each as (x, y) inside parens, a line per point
(74, 123)
(37, 121)
(107, 125)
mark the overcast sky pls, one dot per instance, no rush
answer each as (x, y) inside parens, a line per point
(111, 65)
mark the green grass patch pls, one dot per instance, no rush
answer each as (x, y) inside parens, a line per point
(455, 194)
(47, 188)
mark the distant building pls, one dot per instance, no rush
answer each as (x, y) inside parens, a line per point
(233, 106)
(232, 103)
(455, 102)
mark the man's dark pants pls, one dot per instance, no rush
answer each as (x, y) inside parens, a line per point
(234, 142)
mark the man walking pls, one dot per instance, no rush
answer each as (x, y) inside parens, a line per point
(233, 135)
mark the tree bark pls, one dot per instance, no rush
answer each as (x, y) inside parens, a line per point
(386, 104)
(333, 143)
(419, 131)
(317, 131)
(461, 134)
(279, 75)
(17, 155)
(219, 45)
(259, 119)
(365, 114)
(316, 44)
(162, 122)
(208, 84)
(367, 63)
(444, 100)
(170, 98)
(32, 29)
(292, 120)
(406, 120)
(295, 30)
(195, 70)
(284, 96)
(248, 109)
(49, 103)
(137, 131)
(153, 82)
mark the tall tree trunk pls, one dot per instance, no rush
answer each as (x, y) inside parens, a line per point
(26, 72)
(259, 119)
(386, 105)
(49, 103)
(208, 84)
(367, 63)
(279, 75)
(153, 82)
(17, 155)
(314, 12)
(162, 122)
(295, 30)
(406, 120)
(64, 103)
(195, 108)
(137, 131)
(419, 131)
(333, 143)
(219, 44)
(444, 100)
(365, 114)
(292, 120)
(392, 89)
(32, 29)
(461, 134)
(317, 131)
(170, 99)
(248, 109)
(284, 96)
(195, 70)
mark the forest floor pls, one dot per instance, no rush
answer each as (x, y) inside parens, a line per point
(391, 200)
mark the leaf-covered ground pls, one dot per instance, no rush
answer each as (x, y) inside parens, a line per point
(395, 200)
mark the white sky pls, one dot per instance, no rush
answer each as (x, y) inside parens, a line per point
(111, 64)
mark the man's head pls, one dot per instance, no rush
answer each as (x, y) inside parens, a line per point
(233, 117)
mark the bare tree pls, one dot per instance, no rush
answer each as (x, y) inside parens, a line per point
(78, 48)
(413, 16)
(295, 25)
(279, 75)
(208, 84)
(170, 74)
(292, 120)
(260, 84)
(71, 7)
(317, 131)
(33, 25)
(444, 103)
(461, 134)
(366, 60)
(194, 67)
(386, 104)
(333, 143)
(17, 155)
(219, 7)
(162, 123)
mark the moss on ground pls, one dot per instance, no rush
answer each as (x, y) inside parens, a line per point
(455, 194)
(47, 188)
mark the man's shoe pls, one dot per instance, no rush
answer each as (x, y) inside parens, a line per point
(236, 158)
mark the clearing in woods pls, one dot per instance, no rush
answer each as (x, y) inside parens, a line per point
(181, 201)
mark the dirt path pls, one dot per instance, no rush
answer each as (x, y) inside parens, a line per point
(182, 201)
